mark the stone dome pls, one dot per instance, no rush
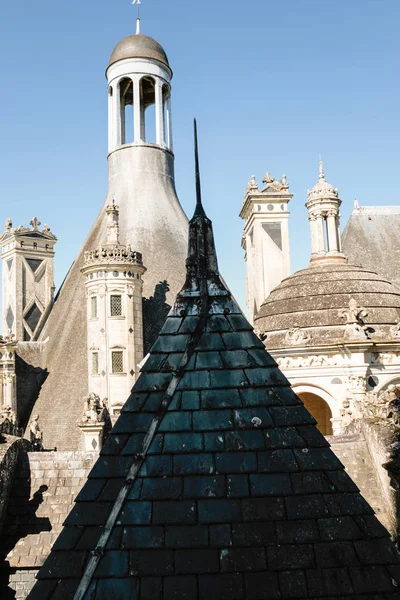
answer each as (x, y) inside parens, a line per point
(311, 308)
(138, 46)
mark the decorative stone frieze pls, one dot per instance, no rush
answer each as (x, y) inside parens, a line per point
(296, 336)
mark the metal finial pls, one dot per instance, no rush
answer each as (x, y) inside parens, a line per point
(138, 3)
(137, 26)
(321, 169)
(199, 206)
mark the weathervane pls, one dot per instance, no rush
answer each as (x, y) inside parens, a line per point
(138, 3)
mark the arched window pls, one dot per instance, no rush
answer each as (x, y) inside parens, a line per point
(319, 410)
(127, 127)
(147, 101)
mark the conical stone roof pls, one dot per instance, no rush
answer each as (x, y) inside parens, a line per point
(215, 483)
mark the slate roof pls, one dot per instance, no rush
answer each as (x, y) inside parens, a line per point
(215, 483)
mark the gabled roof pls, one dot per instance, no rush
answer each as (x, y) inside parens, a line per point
(215, 482)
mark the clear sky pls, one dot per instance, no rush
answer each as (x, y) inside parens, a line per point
(273, 83)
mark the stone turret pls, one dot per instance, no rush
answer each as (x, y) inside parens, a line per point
(265, 238)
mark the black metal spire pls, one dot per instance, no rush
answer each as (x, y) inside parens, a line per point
(199, 207)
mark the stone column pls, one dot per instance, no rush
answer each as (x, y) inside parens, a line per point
(320, 233)
(160, 138)
(169, 124)
(332, 232)
(9, 393)
(116, 110)
(339, 235)
(111, 92)
(314, 234)
(138, 115)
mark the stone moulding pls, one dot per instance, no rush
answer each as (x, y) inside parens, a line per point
(113, 254)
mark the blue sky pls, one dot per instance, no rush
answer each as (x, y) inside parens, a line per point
(273, 83)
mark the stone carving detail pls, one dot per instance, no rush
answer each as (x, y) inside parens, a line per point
(385, 358)
(8, 225)
(262, 335)
(35, 223)
(94, 409)
(112, 254)
(279, 186)
(355, 327)
(252, 185)
(321, 360)
(8, 339)
(395, 331)
(357, 384)
(296, 336)
(35, 434)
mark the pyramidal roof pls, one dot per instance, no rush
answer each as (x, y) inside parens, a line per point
(215, 483)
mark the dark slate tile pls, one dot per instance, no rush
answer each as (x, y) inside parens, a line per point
(293, 584)
(175, 402)
(315, 459)
(312, 437)
(193, 464)
(253, 534)
(68, 538)
(66, 588)
(190, 400)
(176, 421)
(297, 532)
(195, 380)
(376, 552)
(134, 444)
(377, 578)
(219, 511)
(258, 397)
(135, 513)
(239, 323)
(201, 486)
(342, 481)
(265, 376)
(277, 461)
(135, 402)
(133, 422)
(153, 381)
(228, 378)
(182, 586)
(212, 420)
(285, 416)
(236, 462)
(113, 487)
(218, 323)
(237, 486)
(151, 588)
(171, 513)
(170, 343)
(114, 443)
(263, 509)
(153, 402)
(128, 589)
(210, 341)
(243, 339)
(183, 442)
(371, 526)
(173, 362)
(208, 360)
(155, 466)
(290, 556)
(234, 359)
(60, 563)
(244, 440)
(91, 490)
(161, 488)
(249, 418)
(157, 445)
(326, 582)
(220, 536)
(287, 396)
(154, 362)
(339, 528)
(115, 562)
(44, 588)
(301, 507)
(261, 357)
(270, 485)
(228, 586)
(220, 399)
(111, 466)
(148, 562)
(283, 437)
(311, 482)
(196, 561)
(88, 513)
(189, 324)
(195, 536)
(347, 504)
(142, 537)
(214, 441)
(90, 538)
(262, 586)
(242, 559)
(335, 554)
(171, 325)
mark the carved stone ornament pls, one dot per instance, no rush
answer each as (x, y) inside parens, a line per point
(395, 331)
(262, 335)
(296, 336)
(94, 410)
(385, 358)
(296, 362)
(355, 326)
(112, 254)
(357, 384)
(385, 405)
(9, 338)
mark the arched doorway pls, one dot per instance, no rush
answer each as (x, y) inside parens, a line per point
(320, 411)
